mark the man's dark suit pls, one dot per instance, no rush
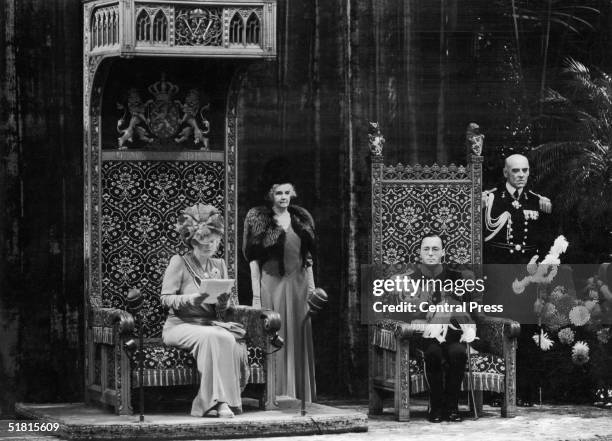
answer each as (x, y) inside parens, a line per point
(451, 353)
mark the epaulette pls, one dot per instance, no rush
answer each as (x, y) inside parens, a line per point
(491, 191)
(538, 195)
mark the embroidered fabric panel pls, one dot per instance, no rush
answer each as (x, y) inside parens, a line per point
(140, 204)
(481, 363)
(160, 357)
(411, 210)
(184, 376)
(481, 381)
(163, 357)
(169, 366)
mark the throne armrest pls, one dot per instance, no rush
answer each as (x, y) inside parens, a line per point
(259, 323)
(109, 317)
(493, 331)
(387, 331)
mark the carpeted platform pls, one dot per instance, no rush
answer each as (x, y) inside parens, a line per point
(80, 422)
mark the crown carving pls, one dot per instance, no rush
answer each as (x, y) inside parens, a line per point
(163, 90)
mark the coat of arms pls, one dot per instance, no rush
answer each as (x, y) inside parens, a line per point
(163, 109)
(163, 119)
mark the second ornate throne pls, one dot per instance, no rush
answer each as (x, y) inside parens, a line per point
(408, 202)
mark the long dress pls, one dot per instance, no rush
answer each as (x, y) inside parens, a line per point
(222, 362)
(288, 295)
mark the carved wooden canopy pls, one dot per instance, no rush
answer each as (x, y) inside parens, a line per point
(230, 28)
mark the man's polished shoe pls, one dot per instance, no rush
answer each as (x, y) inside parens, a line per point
(454, 417)
(524, 403)
(600, 398)
(434, 417)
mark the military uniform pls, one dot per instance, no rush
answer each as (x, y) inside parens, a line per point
(513, 224)
(515, 229)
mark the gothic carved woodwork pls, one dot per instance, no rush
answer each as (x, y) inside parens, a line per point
(135, 185)
(407, 202)
(474, 140)
(226, 28)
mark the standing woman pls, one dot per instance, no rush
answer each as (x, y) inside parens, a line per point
(195, 325)
(279, 242)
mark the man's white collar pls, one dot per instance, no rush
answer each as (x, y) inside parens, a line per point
(512, 189)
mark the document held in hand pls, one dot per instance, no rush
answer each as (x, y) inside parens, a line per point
(214, 288)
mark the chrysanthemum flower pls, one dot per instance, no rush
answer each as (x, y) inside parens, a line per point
(543, 341)
(566, 336)
(580, 353)
(579, 315)
(559, 247)
(556, 321)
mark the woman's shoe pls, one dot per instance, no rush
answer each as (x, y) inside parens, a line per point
(212, 413)
(224, 411)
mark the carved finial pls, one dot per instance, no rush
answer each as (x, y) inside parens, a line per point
(474, 140)
(376, 139)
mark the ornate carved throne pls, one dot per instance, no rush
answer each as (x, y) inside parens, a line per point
(408, 202)
(161, 85)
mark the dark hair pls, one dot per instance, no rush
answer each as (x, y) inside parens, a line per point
(276, 171)
(431, 235)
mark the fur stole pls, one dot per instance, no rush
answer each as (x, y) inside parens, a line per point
(264, 239)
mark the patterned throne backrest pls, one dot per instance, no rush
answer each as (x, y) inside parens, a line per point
(134, 196)
(411, 201)
(141, 200)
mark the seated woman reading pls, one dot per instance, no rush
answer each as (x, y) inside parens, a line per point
(195, 325)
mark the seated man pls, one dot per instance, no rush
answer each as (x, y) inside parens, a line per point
(449, 327)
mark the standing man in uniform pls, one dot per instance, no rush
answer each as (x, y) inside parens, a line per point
(513, 216)
(515, 229)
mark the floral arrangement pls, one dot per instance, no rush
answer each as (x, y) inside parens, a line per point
(566, 320)
(565, 316)
(545, 271)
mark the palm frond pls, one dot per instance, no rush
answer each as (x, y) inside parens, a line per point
(573, 17)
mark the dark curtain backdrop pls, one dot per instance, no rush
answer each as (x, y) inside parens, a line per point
(422, 69)
(41, 201)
